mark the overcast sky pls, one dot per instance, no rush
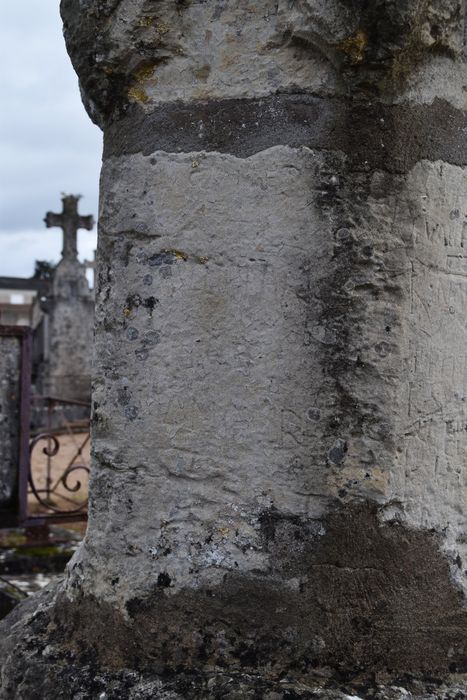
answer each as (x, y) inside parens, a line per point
(48, 145)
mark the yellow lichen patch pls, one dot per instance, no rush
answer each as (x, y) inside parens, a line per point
(179, 254)
(137, 94)
(145, 73)
(202, 73)
(194, 163)
(202, 259)
(351, 480)
(142, 75)
(162, 28)
(126, 311)
(146, 21)
(354, 46)
(224, 531)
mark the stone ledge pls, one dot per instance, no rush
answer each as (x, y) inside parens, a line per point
(374, 135)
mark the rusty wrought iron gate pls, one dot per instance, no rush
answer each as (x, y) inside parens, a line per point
(59, 458)
(49, 464)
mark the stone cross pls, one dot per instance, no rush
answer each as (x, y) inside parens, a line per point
(69, 221)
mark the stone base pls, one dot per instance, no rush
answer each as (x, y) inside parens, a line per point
(37, 663)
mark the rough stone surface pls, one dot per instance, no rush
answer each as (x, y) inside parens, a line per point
(279, 399)
(42, 667)
(392, 138)
(153, 53)
(192, 310)
(10, 365)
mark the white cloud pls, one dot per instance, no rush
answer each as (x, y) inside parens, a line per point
(19, 249)
(48, 145)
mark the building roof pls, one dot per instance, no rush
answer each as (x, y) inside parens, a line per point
(27, 283)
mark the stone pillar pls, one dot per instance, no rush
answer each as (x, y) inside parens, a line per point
(10, 414)
(279, 403)
(70, 310)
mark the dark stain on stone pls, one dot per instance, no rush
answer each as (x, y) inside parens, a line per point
(376, 600)
(132, 333)
(163, 580)
(126, 253)
(163, 258)
(362, 273)
(269, 519)
(338, 451)
(383, 136)
(123, 396)
(131, 412)
(133, 301)
(313, 414)
(104, 461)
(151, 338)
(150, 303)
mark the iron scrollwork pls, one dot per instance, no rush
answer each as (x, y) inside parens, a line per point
(51, 488)
(64, 494)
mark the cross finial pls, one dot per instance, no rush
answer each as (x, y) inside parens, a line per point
(69, 221)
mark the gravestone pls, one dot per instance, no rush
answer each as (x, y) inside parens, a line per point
(60, 310)
(279, 404)
(66, 369)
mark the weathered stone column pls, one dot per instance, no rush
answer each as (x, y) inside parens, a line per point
(280, 385)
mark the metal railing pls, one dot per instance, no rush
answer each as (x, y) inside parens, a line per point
(50, 483)
(58, 470)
